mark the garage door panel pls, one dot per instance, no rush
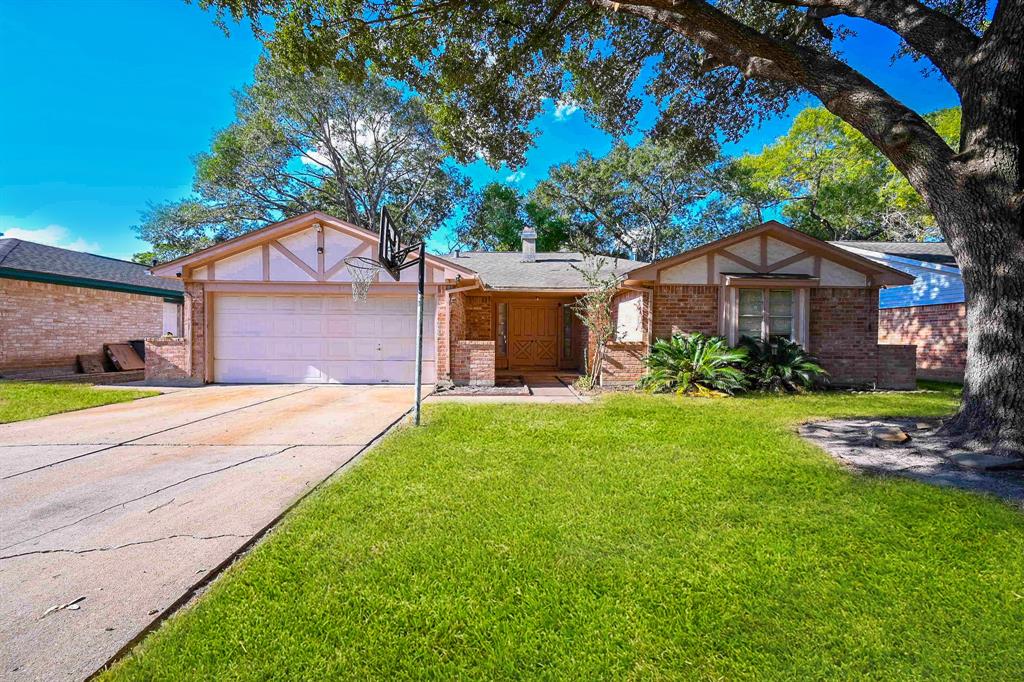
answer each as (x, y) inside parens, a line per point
(350, 372)
(340, 304)
(338, 326)
(314, 339)
(403, 349)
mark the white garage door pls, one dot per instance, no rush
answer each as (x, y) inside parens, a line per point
(319, 339)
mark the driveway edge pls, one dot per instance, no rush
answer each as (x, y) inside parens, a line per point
(199, 587)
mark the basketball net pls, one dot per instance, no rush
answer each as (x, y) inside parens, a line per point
(362, 271)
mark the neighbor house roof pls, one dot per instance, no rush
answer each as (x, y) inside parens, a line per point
(937, 278)
(555, 270)
(929, 252)
(24, 260)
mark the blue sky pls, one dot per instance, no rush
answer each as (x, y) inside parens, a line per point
(105, 107)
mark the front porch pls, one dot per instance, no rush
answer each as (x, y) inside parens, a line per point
(495, 334)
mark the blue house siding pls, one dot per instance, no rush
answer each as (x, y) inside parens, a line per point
(934, 284)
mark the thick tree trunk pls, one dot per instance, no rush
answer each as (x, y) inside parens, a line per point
(982, 217)
(990, 251)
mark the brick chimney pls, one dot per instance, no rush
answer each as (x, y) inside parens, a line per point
(529, 245)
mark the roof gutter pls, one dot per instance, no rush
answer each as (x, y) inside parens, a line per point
(104, 285)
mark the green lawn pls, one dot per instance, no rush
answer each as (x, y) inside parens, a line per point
(28, 400)
(639, 537)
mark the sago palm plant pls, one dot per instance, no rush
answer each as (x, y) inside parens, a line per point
(694, 364)
(780, 364)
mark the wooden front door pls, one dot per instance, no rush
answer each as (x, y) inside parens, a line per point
(533, 335)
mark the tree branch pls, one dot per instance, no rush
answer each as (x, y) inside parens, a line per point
(897, 131)
(944, 40)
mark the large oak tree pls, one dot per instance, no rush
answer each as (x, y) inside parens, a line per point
(312, 141)
(716, 68)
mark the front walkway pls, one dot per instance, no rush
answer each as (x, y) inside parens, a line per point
(111, 516)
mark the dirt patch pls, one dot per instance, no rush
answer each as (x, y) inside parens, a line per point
(869, 446)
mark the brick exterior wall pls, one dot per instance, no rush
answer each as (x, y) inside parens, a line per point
(624, 361)
(195, 324)
(685, 308)
(473, 363)
(896, 367)
(167, 361)
(479, 325)
(441, 337)
(47, 325)
(843, 329)
(938, 331)
(623, 364)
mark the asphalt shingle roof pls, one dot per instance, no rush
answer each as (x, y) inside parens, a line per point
(18, 254)
(506, 270)
(929, 252)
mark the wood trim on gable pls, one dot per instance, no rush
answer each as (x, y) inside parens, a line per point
(883, 275)
(795, 258)
(286, 252)
(739, 260)
(336, 268)
(274, 231)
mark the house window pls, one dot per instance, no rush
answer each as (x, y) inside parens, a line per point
(765, 313)
(567, 316)
(780, 313)
(501, 331)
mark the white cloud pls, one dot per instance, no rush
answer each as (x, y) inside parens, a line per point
(516, 177)
(51, 235)
(564, 109)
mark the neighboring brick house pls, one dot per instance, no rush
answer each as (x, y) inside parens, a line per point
(56, 304)
(275, 305)
(930, 313)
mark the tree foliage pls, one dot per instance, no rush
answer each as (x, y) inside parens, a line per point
(312, 142)
(642, 201)
(832, 183)
(497, 216)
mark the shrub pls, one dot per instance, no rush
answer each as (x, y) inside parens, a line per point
(780, 364)
(694, 364)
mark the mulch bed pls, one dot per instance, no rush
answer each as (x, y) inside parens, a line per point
(926, 455)
(505, 385)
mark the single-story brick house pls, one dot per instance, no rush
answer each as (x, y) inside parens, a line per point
(931, 313)
(275, 305)
(56, 304)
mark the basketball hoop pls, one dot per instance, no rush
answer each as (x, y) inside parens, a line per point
(362, 270)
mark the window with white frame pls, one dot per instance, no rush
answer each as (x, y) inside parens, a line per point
(765, 313)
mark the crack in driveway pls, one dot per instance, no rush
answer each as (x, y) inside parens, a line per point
(148, 435)
(89, 550)
(149, 494)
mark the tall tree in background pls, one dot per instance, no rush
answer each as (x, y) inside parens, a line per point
(642, 201)
(716, 68)
(832, 183)
(312, 142)
(497, 216)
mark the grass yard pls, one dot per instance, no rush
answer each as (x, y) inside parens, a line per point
(28, 400)
(639, 537)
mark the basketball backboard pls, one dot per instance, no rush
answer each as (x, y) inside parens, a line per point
(388, 248)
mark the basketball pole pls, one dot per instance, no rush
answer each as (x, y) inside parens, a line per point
(420, 266)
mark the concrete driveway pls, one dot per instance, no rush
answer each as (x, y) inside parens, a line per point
(126, 508)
